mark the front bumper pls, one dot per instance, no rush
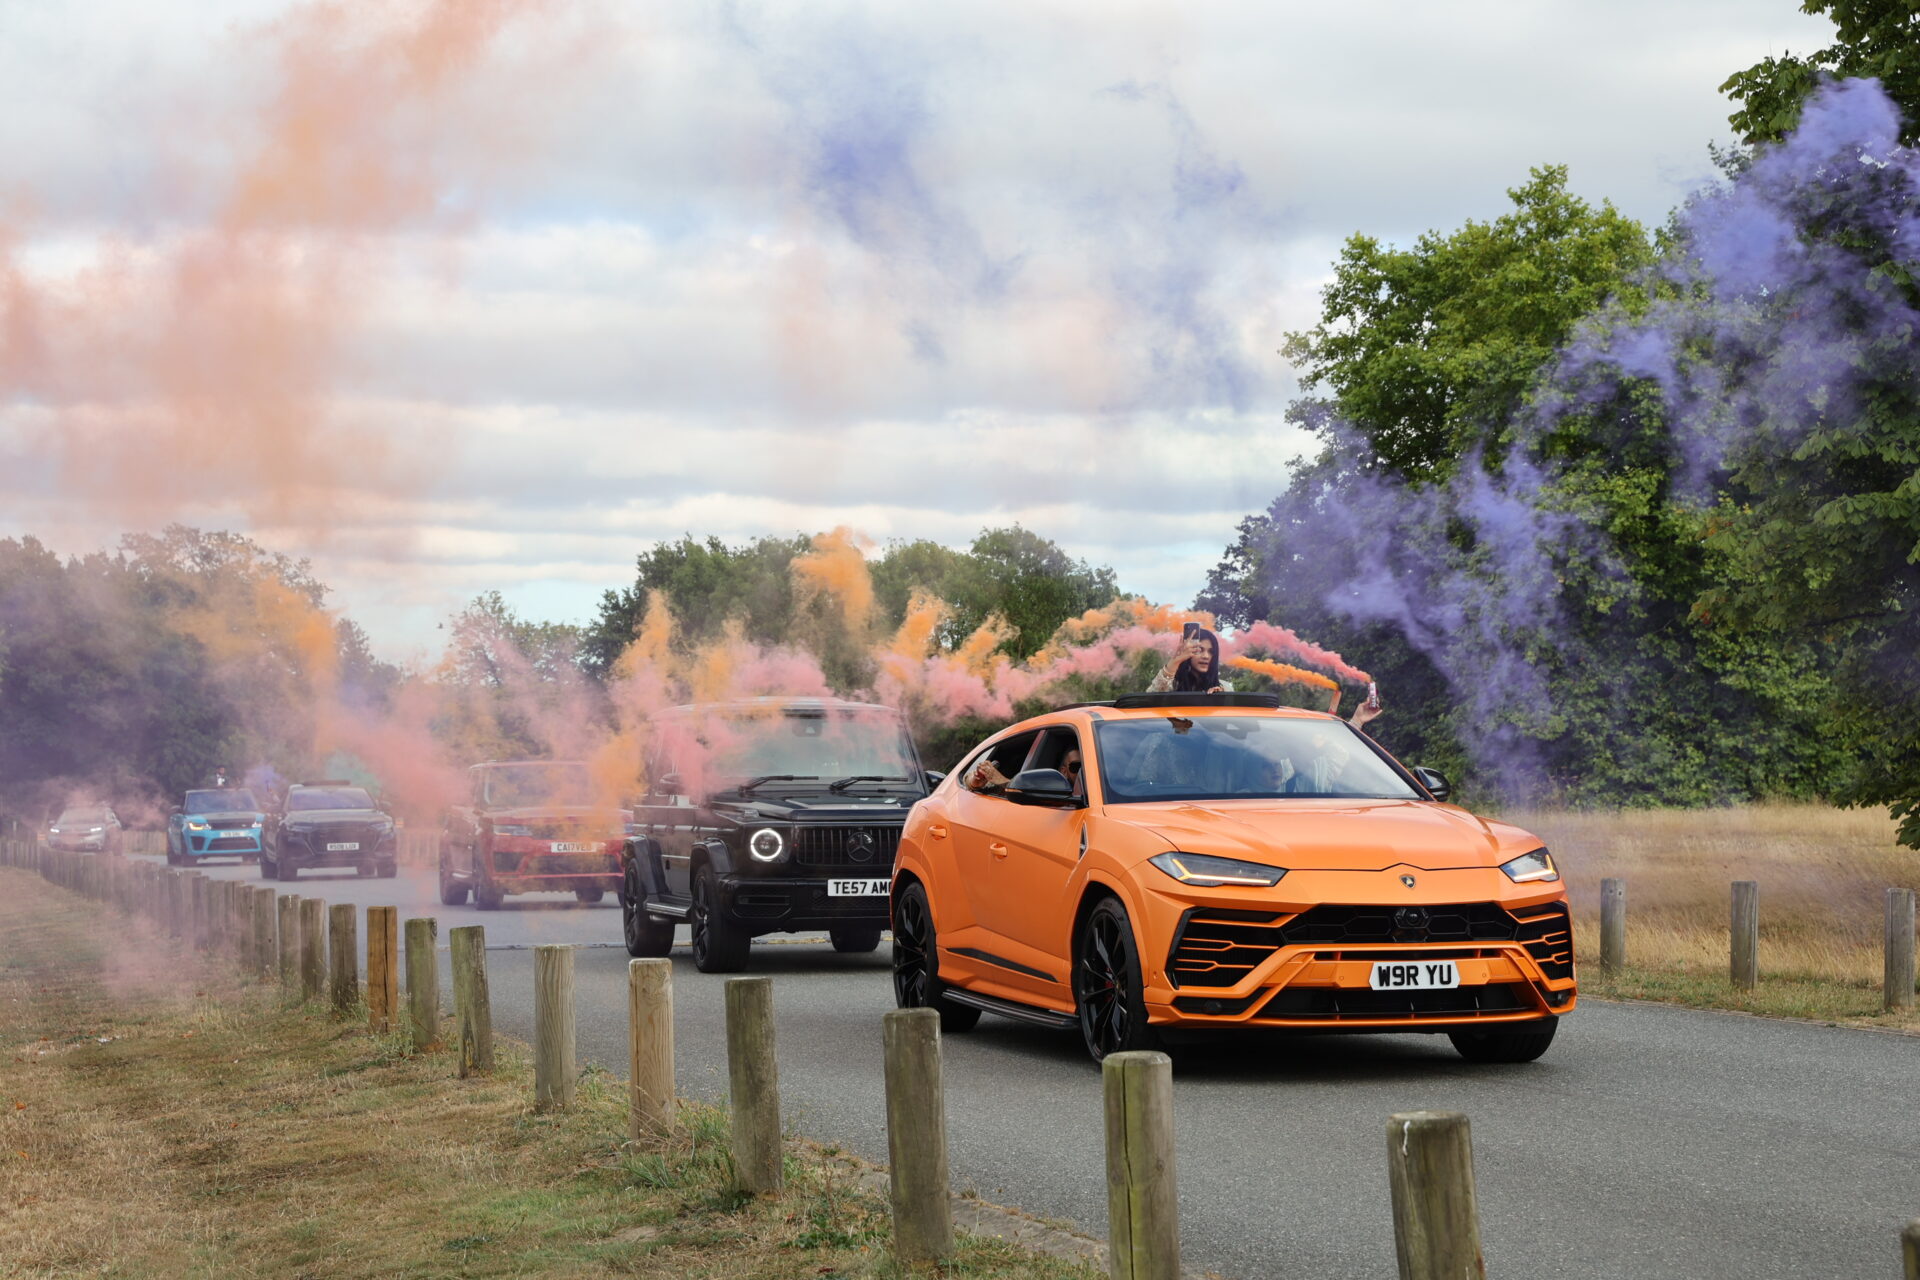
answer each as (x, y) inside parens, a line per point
(769, 904)
(78, 844)
(242, 843)
(314, 852)
(533, 867)
(1310, 966)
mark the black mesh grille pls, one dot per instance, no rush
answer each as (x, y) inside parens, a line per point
(1360, 1002)
(230, 824)
(1219, 948)
(846, 846)
(226, 843)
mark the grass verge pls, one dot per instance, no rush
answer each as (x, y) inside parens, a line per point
(165, 1117)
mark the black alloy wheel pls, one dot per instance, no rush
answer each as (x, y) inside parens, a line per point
(1107, 990)
(648, 937)
(719, 945)
(854, 940)
(587, 897)
(284, 870)
(916, 962)
(452, 894)
(487, 897)
(1521, 1042)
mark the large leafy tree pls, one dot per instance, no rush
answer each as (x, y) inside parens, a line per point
(1872, 38)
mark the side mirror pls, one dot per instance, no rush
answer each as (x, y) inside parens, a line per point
(177, 810)
(934, 778)
(1046, 787)
(1434, 781)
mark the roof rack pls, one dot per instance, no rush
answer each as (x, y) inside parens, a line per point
(324, 782)
(1142, 701)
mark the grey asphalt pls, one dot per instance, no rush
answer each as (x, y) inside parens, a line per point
(1649, 1142)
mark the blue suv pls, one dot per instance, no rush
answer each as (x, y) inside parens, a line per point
(222, 823)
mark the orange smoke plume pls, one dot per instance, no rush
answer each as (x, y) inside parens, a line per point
(1282, 672)
(837, 567)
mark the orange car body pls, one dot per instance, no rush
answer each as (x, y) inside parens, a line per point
(1368, 881)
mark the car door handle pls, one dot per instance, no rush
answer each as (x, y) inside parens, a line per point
(997, 849)
(937, 831)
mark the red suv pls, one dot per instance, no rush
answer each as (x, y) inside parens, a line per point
(530, 826)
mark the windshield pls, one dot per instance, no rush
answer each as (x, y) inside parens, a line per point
(519, 785)
(808, 745)
(310, 798)
(80, 816)
(229, 801)
(1241, 758)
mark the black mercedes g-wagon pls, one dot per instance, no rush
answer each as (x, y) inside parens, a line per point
(767, 815)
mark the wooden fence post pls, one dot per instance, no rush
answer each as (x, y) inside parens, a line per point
(916, 1136)
(1613, 924)
(1744, 950)
(339, 975)
(423, 982)
(202, 912)
(553, 1032)
(313, 948)
(1900, 976)
(650, 1047)
(1910, 1249)
(265, 957)
(1143, 1203)
(472, 1005)
(753, 1083)
(290, 942)
(383, 955)
(1436, 1217)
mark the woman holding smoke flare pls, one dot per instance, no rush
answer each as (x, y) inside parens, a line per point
(1195, 668)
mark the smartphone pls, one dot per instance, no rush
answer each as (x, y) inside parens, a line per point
(1188, 630)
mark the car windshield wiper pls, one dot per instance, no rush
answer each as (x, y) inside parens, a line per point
(746, 788)
(840, 787)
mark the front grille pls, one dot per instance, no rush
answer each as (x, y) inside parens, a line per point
(231, 824)
(845, 846)
(553, 864)
(565, 831)
(229, 843)
(1217, 948)
(1362, 1002)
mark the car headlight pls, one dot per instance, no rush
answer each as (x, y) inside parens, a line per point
(1206, 872)
(511, 829)
(255, 824)
(94, 831)
(197, 826)
(766, 845)
(1537, 865)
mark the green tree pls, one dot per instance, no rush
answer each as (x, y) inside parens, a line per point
(709, 583)
(1872, 38)
(1428, 352)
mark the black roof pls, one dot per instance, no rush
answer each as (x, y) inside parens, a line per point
(1141, 701)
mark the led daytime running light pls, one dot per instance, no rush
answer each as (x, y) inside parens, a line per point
(1204, 871)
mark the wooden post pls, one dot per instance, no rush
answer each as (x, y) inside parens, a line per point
(265, 951)
(341, 978)
(650, 1047)
(1744, 952)
(472, 1006)
(553, 1048)
(1143, 1203)
(1436, 1218)
(423, 982)
(383, 956)
(290, 942)
(1613, 924)
(202, 912)
(1910, 1249)
(1900, 976)
(916, 1136)
(313, 948)
(753, 1082)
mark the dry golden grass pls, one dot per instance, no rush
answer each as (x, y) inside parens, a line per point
(1823, 876)
(163, 1118)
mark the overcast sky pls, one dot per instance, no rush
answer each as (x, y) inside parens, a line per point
(763, 268)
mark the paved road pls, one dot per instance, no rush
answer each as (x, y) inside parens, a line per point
(1650, 1142)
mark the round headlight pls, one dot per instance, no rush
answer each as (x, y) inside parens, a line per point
(766, 845)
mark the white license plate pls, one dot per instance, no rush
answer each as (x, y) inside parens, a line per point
(559, 847)
(1415, 975)
(856, 888)
(343, 848)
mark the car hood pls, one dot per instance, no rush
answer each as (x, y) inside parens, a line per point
(818, 807)
(559, 813)
(327, 817)
(1332, 835)
(223, 815)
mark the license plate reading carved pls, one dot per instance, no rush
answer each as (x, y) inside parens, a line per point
(1412, 975)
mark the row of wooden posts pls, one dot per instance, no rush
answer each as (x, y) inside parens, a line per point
(1743, 938)
(1429, 1153)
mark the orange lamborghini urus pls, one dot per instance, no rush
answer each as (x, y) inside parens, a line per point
(1172, 862)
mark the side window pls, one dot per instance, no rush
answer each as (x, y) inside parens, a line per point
(1056, 747)
(1006, 757)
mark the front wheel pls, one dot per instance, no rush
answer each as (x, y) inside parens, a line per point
(852, 941)
(487, 897)
(587, 897)
(719, 945)
(387, 870)
(1107, 988)
(1522, 1043)
(916, 962)
(647, 937)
